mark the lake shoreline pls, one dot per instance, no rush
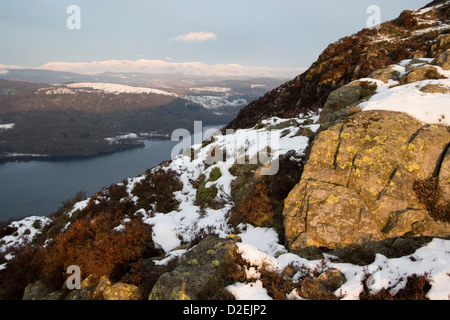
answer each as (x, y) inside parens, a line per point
(36, 186)
(27, 158)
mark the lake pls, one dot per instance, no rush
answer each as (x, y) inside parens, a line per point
(40, 187)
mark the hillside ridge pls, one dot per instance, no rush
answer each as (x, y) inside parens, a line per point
(351, 58)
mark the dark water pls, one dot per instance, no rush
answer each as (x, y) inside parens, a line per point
(39, 187)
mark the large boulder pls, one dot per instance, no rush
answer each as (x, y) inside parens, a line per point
(36, 291)
(350, 94)
(357, 185)
(444, 178)
(422, 73)
(443, 60)
(198, 268)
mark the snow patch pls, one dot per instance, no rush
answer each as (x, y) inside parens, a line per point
(429, 108)
(25, 231)
(210, 89)
(7, 126)
(249, 291)
(119, 88)
(81, 205)
(215, 102)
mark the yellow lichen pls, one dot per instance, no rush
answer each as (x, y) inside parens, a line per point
(215, 263)
(193, 262)
(183, 295)
(332, 199)
(367, 160)
(373, 191)
(412, 166)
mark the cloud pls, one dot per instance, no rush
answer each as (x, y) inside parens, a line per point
(196, 37)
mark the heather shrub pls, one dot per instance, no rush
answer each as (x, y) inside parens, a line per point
(155, 192)
(92, 244)
(60, 217)
(416, 288)
(22, 270)
(256, 207)
(206, 196)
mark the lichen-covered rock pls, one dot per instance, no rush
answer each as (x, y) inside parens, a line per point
(102, 284)
(422, 73)
(81, 294)
(444, 179)
(56, 295)
(352, 93)
(194, 273)
(431, 228)
(122, 291)
(443, 60)
(385, 74)
(90, 282)
(441, 45)
(36, 291)
(435, 88)
(326, 215)
(358, 182)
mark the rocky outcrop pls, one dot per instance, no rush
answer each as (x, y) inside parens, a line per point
(412, 35)
(358, 182)
(198, 268)
(443, 59)
(340, 102)
(444, 178)
(94, 287)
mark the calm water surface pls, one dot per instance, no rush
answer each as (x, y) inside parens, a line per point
(39, 187)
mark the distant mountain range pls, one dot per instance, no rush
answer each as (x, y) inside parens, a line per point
(155, 67)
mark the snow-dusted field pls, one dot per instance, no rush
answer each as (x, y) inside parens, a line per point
(118, 88)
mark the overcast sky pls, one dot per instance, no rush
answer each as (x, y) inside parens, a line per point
(274, 33)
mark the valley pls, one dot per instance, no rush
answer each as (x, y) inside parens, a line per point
(82, 119)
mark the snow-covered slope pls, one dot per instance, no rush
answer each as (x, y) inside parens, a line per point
(413, 98)
(21, 233)
(171, 229)
(216, 102)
